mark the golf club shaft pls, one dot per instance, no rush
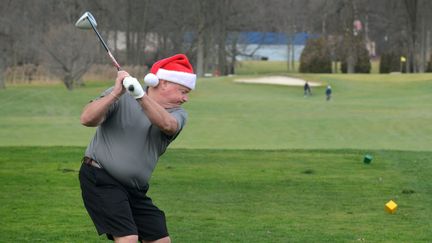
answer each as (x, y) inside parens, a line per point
(106, 47)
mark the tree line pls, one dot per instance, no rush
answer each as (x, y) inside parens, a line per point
(42, 32)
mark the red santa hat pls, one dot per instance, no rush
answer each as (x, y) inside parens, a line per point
(176, 69)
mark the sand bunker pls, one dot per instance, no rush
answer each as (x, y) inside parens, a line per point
(279, 80)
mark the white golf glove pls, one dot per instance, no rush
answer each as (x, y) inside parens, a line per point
(133, 87)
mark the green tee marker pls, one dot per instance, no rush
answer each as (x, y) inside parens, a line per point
(367, 159)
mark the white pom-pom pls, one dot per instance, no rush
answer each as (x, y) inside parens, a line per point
(151, 80)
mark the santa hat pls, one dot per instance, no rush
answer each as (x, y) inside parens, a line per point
(176, 69)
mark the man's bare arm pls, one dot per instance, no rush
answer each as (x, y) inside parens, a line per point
(95, 112)
(158, 115)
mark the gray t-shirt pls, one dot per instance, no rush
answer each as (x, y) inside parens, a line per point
(127, 144)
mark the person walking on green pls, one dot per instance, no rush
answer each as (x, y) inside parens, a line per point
(307, 89)
(328, 92)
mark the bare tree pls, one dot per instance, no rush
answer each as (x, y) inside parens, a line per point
(204, 10)
(347, 11)
(418, 21)
(69, 54)
(10, 35)
(223, 11)
(5, 41)
(411, 7)
(3, 54)
(209, 31)
(291, 17)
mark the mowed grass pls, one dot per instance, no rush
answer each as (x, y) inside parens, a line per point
(232, 195)
(366, 112)
(255, 163)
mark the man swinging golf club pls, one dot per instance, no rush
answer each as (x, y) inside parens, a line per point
(134, 128)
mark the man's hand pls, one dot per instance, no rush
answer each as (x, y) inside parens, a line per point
(118, 89)
(134, 88)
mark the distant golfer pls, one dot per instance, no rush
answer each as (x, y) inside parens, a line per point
(132, 133)
(307, 89)
(328, 92)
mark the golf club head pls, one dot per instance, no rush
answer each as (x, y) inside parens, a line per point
(86, 21)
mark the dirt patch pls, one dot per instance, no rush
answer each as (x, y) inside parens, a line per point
(278, 80)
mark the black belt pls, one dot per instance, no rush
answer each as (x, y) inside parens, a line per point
(89, 161)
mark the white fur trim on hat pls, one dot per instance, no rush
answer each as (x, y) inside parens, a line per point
(183, 78)
(151, 80)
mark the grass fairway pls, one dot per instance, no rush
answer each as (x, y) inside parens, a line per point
(366, 112)
(255, 163)
(232, 196)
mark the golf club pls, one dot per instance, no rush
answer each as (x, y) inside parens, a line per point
(87, 21)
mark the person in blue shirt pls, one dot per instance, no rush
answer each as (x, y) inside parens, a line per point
(328, 92)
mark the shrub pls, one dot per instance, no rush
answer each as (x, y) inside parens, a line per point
(429, 65)
(389, 62)
(315, 57)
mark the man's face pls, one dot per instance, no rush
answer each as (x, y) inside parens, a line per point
(175, 94)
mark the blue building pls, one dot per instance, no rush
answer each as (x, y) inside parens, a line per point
(269, 45)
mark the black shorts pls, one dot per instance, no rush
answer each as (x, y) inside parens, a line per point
(117, 210)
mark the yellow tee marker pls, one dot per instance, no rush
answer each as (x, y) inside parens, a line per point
(391, 206)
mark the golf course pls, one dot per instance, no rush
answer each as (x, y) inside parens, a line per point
(255, 162)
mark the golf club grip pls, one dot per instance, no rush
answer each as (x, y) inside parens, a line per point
(114, 61)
